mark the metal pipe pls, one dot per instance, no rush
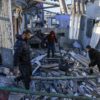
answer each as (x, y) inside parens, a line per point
(18, 90)
(51, 12)
(50, 7)
(65, 78)
(49, 3)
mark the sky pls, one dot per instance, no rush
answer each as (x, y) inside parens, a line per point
(57, 9)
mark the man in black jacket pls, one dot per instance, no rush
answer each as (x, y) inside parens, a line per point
(94, 56)
(22, 58)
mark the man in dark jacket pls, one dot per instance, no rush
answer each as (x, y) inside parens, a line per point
(22, 58)
(51, 39)
(94, 56)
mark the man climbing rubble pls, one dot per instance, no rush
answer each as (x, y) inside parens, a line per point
(94, 56)
(51, 39)
(22, 58)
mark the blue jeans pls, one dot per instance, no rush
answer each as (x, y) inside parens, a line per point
(51, 48)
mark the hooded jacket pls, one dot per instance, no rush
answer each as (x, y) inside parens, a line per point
(51, 37)
(21, 52)
(94, 56)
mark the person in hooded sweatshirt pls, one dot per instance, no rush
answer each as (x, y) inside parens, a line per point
(94, 56)
(22, 58)
(51, 40)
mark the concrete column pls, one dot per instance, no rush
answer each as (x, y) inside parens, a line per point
(11, 24)
(82, 7)
(75, 20)
(6, 33)
(72, 19)
(63, 6)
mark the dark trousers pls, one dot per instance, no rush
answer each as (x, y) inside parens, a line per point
(51, 48)
(25, 77)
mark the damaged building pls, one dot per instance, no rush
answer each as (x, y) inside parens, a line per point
(59, 71)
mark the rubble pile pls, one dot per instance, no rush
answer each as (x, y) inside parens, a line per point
(63, 65)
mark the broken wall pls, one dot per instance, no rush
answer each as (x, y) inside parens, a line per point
(63, 27)
(6, 36)
(87, 30)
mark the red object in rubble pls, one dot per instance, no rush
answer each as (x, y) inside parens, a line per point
(4, 95)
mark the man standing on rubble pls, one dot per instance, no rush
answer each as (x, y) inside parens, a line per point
(51, 39)
(22, 58)
(94, 56)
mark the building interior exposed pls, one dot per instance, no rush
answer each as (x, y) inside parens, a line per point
(49, 49)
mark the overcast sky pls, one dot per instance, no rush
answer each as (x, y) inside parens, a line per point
(57, 9)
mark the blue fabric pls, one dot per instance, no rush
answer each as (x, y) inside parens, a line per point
(51, 48)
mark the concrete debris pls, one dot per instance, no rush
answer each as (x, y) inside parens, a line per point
(72, 87)
(38, 59)
(43, 68)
